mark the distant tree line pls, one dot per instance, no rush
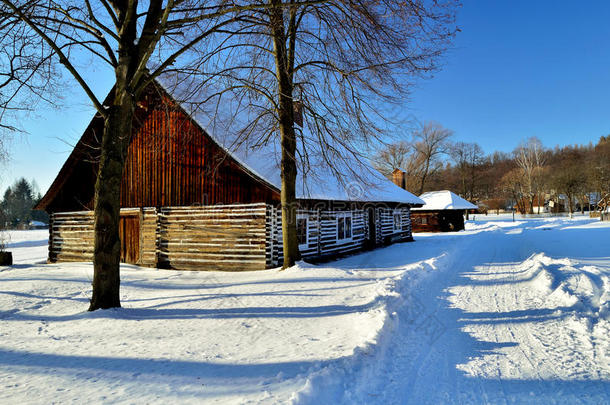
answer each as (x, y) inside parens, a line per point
(16, 206)
(531, 178)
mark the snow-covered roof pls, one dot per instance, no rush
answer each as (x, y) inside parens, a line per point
(359, 182)
(444, 200)
(320, 183)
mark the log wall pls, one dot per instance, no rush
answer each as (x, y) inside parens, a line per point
(438, 221)
(148, 237)
(225, 237)
(235, 237)
(229, 238)
(71, 237)
(322, 232)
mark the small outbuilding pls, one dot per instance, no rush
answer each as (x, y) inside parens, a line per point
(37, 225)
(443, 211)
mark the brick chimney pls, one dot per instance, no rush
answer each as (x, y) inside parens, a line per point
(398, 177)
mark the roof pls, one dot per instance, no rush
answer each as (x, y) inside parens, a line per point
(315, 180)
(320, 181)
(444, 200)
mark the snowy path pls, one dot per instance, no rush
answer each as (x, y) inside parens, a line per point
(502, 313)
(510, 325)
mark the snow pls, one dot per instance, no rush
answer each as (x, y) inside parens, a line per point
(320, 183)
(444, 200)
(503, 312)
(351, 179)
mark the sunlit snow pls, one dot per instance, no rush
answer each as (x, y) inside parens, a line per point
(504, 312)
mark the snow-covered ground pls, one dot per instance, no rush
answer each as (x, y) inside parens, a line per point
(504, 312)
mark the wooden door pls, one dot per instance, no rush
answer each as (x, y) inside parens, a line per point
(129, 233)
(371, 242)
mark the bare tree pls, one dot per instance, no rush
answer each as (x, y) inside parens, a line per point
(24, 65)
(467, 158)
(419, 158)
(403, 156)
(530, 157)
(598, 168)
(512, 185)
(431, 141)
(566, 182)
(138, 42)
(332, 64)
(392, 157)
(26, 77)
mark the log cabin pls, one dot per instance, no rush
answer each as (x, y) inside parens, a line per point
(189, 202)
(443, 211)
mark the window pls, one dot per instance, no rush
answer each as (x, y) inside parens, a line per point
(302, 230)
(424, 220)
(344, 225)
(397, 220)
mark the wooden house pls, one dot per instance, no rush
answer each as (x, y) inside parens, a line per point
(188, 202)
(541, 205)
(443, 211)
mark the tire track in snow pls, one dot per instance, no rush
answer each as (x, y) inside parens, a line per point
(412, 363)
(522, 336)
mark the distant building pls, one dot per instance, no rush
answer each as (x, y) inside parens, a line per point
(443, 211)
(541, 205)
(37, 225)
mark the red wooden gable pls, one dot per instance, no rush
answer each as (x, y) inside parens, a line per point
(171, 161)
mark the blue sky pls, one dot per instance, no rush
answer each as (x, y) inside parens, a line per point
(521, 69)
(517, 69)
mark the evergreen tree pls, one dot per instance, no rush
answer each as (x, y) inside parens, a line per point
(17, 203)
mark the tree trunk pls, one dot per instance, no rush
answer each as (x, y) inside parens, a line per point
(570, 205)
(288, 197)
(463, 185)
(107, 205)
(288, 136)
(422, 184)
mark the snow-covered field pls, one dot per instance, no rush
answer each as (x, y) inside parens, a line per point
(504, 312)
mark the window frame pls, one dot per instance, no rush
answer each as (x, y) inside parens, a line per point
(344, 216)
(394, 214)
(303, 246)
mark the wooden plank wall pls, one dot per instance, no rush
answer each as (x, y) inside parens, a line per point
(171, 162)
(229, 238)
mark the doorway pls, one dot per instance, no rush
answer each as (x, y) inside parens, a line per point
(129, 234)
